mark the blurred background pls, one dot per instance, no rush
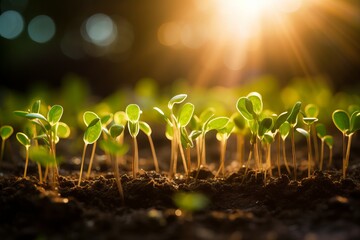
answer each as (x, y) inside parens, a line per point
(204, 43)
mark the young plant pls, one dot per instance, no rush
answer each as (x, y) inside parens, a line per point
(5, 132)
(348, 125)
(91, 135)
(321, 133)
(280, 119)
(133, 113)
(266, 137)
(312, 111)
(25, 141)
(145, 128)
(240, 130)
(306, 134)
(292, 120)
(284, 131)
(309, 121)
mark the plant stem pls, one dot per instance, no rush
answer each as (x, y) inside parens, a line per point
(346, 164)
(26, 161)
(38, 164)
(284, 157)
(278, 153)
(135, 163)
(316, 144)
(222, 158)
(322, 154)
(118, 179)
(40, 173)
(156, 163)
(330, 157)
(2, 150)
(240, 149)
(188, 158)
(309, 155)
(82, 164)
(183, 157)
(268, 158)
(293, 152)
(91, 160)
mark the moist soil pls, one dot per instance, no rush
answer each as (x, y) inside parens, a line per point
(242, 205)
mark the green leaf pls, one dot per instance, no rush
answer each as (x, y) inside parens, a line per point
(35, 108)
(341, 120)
(186, 140)
(63, 130)
(280, 119)
(241, 107)
(23, 139)
(89, 116)
(106, 119)
(145, 128)
(206, 115)
(310, 120)
(115, 130)
(133, 113)
(21, 113)
(162, 114)
(36, 116)
(311, 111)
(268, 137)
(169, 132)
(185, 114)
(133, 128)
(355, 122)
(6, 131)
(250, 107)
(303, 132)
(292, 118)
(41, 155)
(329, 140)
(176, 100)
(54, 115)
(239, 121)
(256, 101)
(93, 131)
(227, 130)
(195, 134)
(217, 123)
(120, 118)
(320, 130)
(113, 147)
(264, 126)
(284, 130)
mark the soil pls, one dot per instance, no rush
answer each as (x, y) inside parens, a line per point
(241, 206)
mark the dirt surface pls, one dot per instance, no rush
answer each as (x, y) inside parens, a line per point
(241, 207)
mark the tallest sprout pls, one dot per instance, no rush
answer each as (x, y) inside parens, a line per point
(5, 132)
(133, 115)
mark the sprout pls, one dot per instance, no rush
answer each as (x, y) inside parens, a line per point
(133, 115)
(312, 111)
(348, 126)
(321, 133)
(5, 132)
(284, 131)
(280, 119)
(25, 141)
(145, 128)
(306, 134)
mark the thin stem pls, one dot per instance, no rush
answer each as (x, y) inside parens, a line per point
(240, 148)
(26, 161)
(316, 143)
(278, 153)
(40, 172)
(256, 154)
(82, 163)
(284, 157)
(2, 150)
(322, 154)
(293, 152)
(188, 158)
(330, 157)
(183, 157)
(222, 158)
(118, 179)
(91, 160)
(268, 158)
(347, 156)
(135, 163)
(156, 163)
(309, 155)
(46, 173)
(36, 143)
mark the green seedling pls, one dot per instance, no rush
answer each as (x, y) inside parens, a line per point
(306, 134)
(145, 128)
(267, 137)
(329, 140)
(91, 135)
(174, 125)
(321, 133)
(309, 121)
(279, 120)
(292, 120)
(133, 113)
(5, 132)
(240, 130)
(120, 119)
(25, 141)
(312, 111)
(348, 125)
(114, 148)
(284, 131)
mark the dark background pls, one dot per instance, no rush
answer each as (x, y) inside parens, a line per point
(332, 50)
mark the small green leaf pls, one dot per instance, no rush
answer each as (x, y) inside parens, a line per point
(185, 114)
(176, 100)
(280, 119)
(113, 147)
(241, 107)
(133, 128)
(133, 113)
(106, 119)
(186, 141)
(217, 123)
(54, 115)
(93, 131)
(23, 139)
(268, 137)
(320, 130)
(120, 118)
(162, 114)
(21, 113)
(250, 107)
(355, 122)
(341, 120)
(195, 134)
(35, 108)
(292, 118)
(169, 132)
(329, 140)
(310, 120)
(63, 130)
(303, 132)
(88, 117)
(145, 128)
(35, 116)
(284, 130)
(115, 130)
(256, 101)
(311, 111)
(227, 130)
(206, 115)
(264, 126)
(6, 131)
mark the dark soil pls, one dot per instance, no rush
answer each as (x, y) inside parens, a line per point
(241, 207)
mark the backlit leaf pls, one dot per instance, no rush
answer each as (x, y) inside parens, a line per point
(145, 128)
(284, 130)
(320, 130)
(63, 130)
(177, 99)
(311, 110)
(256, 101)
(185, 114)
(292, 118)
(6, 131)
(341, 120)
(23, 139)
(93, 131)
(54, 115)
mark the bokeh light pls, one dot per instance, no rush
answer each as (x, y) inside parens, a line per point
(11, 24)
(100, 30)
(41, 29)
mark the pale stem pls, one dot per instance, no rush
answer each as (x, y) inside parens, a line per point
(347, 156)
(91, 160)
(135, 158)
(188, 158)
(82, 163)
(293, 151)
(268, 159)
(309, 155)
(330, 156)
(2, 149)
(278, 153)
(322, 154)
(156, 163)
(26, 161)
(118, 180)
(284, 157)
(316, 144)
(222, 158)
(240, 149)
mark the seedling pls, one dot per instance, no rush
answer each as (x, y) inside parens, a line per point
(321, 133)
(306, 134)
(145, 128)
(266, 137)
(348, 125)
(133, 115)
(91, 135)
(5, 132)
(284, 131)
(240, 129)
(280, 119)
(312, 111)
(25, 141)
